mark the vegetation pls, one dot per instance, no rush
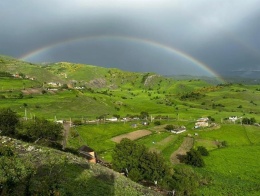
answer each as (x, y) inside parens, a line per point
(87, 95)
(194, 158)
(34, 130)
(248, 121)
(138, 163)
(141, 165)
(8, 121)
(33, 170)
(39, 130)
(203, 151)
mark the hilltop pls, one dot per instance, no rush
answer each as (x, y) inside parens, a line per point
(68, 90)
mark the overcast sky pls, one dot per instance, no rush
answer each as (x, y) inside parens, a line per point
(163, 36)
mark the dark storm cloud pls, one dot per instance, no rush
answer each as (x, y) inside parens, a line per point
(222, 34)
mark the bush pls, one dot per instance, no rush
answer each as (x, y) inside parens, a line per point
(203, 151)
(8, 121)
(169, 127)
(194, 158)
(74, 133)
(184, 181)
(157, 123)
(140, 163)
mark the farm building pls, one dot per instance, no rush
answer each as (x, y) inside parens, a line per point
(113, 119)
(88, 153)
(233, 118)
(178, 130)
(202, 122)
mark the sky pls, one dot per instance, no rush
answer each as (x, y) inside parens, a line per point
(169, 37)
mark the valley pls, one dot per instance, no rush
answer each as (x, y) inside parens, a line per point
(88, 97)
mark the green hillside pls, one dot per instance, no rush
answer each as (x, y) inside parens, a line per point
(86, 95)
(90, 91)
(58, 173)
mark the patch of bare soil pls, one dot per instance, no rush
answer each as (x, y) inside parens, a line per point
(30, 91)
(132, 136)
(186, 145)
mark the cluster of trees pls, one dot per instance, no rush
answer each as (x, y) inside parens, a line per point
(32, 130)
(141, 165)
(137, 162)
(248, 121)
(194, 156)
(170, 127)
(5, 74)
(192, 96)
(217, 105)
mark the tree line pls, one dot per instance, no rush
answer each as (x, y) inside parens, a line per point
(37, 130)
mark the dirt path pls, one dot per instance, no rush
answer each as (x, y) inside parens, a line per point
(132, 136)
(186, 145)
(66, 129)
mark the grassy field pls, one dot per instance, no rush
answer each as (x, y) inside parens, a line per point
(99, 136)
(234, 170)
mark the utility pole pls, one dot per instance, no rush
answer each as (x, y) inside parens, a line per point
(25, 114)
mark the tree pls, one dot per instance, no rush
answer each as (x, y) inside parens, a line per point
(169, 127)
(126, 155)
(157, 123)
(40, 129)
(211, 119)
(194, 158)
(8, 121)
(248, 121)
(135, 159)
(144, 115)
(203, 151)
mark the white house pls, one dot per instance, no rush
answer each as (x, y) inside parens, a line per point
(113, 119)
(233, 118)
(202, 122)
(179, 130)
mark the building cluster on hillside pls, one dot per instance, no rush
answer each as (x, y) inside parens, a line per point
(23, 76)
(54, 84)
(202, 122)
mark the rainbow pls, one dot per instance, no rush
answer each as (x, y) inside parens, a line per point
(151, 43)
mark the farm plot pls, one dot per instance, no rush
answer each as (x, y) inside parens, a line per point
(186, 145)
(132, 136)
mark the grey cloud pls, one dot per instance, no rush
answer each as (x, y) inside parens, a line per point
(222, 34)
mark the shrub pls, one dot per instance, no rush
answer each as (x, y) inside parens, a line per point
(194, 158)
(157, 123)
(169, 127)
(203, 151)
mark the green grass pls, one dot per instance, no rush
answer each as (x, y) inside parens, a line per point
(99, 137)
(253, 133)
(234, 135)
(234, 170)
(10, 84)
